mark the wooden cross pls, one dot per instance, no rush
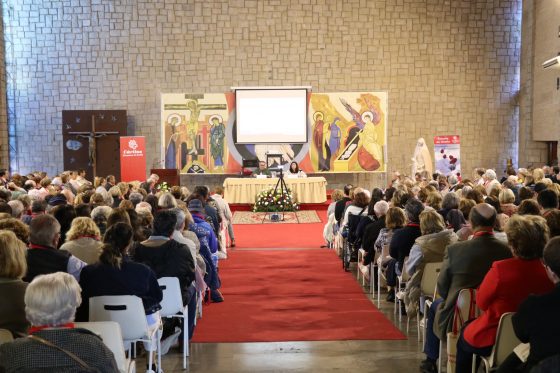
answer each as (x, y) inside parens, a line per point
(92, 136)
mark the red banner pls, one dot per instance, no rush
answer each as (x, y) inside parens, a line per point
(133, 158)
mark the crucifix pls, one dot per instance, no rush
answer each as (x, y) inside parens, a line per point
(92, 136)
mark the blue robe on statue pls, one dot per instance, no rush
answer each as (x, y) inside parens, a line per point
(171, 155)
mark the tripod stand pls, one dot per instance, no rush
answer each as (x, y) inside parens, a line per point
(283, 189)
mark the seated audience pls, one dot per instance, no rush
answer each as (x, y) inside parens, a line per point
(372, 231)
(404, 238)
(553, 221)
(43, 256)
(428, 248)
(16, 226)
(341, 204)
(116, 274)
(508, 283)
(54, 344)
(225, 214)
(507, 199)
(64, 214)
(169, 258)
(536, 320)
(394, 220)
(12, 268)
(83, 240)
(529, 207)
(547, 200)
(464, 266)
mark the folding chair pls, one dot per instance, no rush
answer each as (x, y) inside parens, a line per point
(384, 254)
(428, 291)
(5, 336)
(110, 333)
(172, 306)
(466, 309)
(399, 290)
(128, 312)
(506, 341)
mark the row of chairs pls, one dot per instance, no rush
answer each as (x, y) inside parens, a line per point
(506, 340)
(121, 322)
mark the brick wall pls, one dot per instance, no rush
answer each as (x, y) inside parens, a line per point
(450, 67)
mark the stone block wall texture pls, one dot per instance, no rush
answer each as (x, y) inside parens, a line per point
(4, 140)
(450, 67)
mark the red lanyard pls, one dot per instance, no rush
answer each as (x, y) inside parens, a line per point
(35, 329)
(34, 246)
(89, 236)
(413, 225)
(484, 232)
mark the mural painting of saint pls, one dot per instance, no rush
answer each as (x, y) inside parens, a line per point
(217, 136)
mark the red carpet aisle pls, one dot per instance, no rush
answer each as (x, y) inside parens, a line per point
(280, 235)
(290, 295)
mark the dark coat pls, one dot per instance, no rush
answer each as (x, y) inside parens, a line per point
(536, 322)
(168, 259)
(12, 307)
(26, 355)
(339, 208)
(131, 279)
(371, 233)
(402, 242)
(464, 266)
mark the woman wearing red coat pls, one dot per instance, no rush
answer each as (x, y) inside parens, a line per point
(508, 283)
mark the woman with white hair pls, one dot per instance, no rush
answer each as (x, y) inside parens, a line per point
(167, 201)
(100, 215)
(490, 180)
(54, 344)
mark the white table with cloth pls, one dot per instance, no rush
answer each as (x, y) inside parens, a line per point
(244, 190)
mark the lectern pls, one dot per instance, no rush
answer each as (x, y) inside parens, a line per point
(169, 175)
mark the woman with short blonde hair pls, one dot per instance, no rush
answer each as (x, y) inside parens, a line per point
(83, 240)
(13, 266)
(507, 199)
(434, 200)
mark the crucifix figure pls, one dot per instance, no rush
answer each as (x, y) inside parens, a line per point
(92, 136)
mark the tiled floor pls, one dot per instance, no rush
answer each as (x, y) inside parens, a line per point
(338, 356)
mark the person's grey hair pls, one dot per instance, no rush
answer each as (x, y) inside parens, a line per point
(450, 201)
(490, 174)
(17, 208)
(453, 180)
(30, 183)
(167, 201)
(107, 199)
(180, 218)
(51, 300)
(101, 211)
(143, 206)
(135, 198)
(413, 209)
(43, 229)
(380, 208)
(465, 190)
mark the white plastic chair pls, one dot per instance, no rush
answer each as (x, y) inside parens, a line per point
(5, 336)
(110, 333)
(428, 291)
(402, 279)
(172, 306)
(506, 341)
(128, 312)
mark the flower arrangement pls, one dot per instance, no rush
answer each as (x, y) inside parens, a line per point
(270, 201)
(162, 187)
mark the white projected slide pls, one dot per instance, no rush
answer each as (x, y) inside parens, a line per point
(271, 116)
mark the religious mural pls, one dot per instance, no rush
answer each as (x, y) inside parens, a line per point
(347, 133)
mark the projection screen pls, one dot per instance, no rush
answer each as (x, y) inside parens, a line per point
(269, 116)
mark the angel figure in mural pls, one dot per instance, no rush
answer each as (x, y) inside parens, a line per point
(421, 159)
(174, 121)
(370, 153)
(217, 135)
(321, 136)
